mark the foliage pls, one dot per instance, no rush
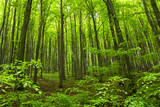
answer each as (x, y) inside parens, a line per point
(59, 100)
(110, 69)
(87, 82)
(83, 91)
(27, 98)
(18, 98)
(14, 76)
(148, 92)
(110, 93)
(155, 68)
(90, 91)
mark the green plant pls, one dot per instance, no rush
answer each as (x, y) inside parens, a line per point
(59, 100)
(148, 91)
(111, 93)
(87, 82)
(22, 99)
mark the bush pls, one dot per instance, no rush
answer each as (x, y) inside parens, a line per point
(59, 100)
(148, 92)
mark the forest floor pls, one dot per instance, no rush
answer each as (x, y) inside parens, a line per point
(50, 82)
(86, 92)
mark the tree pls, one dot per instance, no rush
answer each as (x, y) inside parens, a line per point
(24, 30)
(13, 34)
(4, 17)
(39, 40)
(156, 11)
(62, 72)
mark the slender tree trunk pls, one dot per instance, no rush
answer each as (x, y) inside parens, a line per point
(24, 30)
(66, 49)
(12, 40)
(62, 72)
(77, 67)
(81, 46)
(17, 38)
(112, 29)
(49, 59)
(110, 7)
(4, 17)
(42, 46)
(151, 22)
(28, 56)
(97, 44)
(5, 37)
(156, 11)
(91, 43)
(73, 48)
(39, 40)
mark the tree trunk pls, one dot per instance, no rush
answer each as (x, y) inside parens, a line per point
(73, 49)
(97, 41)
(77, 67)
(151, 22)
(156, 11)
(81, 45)
(4, 17)
(91, 42)
(5, 38)
(110, 8)
(62, 72)
(24, 30)
(42, 46)
(12, 40)
(39, 41)
(49, 59)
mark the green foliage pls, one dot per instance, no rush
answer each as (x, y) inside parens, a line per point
(110, 69)
(28, 99)
(110, 93)
(21, 99)
(148, 92)
(155, 68)
(14, 76)
(112, 52)
(87, 82)
(90, 91)
(84, 90)
(59, 100)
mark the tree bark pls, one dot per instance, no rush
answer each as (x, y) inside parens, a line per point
(156, 11)
(62, 72)
(24, 30)
(4, 17)
(81, 45)
(12, 40)
(39, 40)
(5, 38)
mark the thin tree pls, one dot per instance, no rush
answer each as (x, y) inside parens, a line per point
(24, 30)
(39, 40)
(4, 17)
(13, 34)
(61, 72)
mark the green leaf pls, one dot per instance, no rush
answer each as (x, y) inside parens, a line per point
(4, 91)
(25, 84)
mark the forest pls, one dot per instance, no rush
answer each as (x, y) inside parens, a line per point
(79, 53)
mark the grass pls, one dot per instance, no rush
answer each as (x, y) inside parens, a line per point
(50, 82)
(51, 76)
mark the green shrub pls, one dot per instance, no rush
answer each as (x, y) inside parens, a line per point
(14, 76)
(59, 100)
(148, 92)
(110, 93)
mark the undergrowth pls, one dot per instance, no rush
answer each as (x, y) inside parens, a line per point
(89, 92)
